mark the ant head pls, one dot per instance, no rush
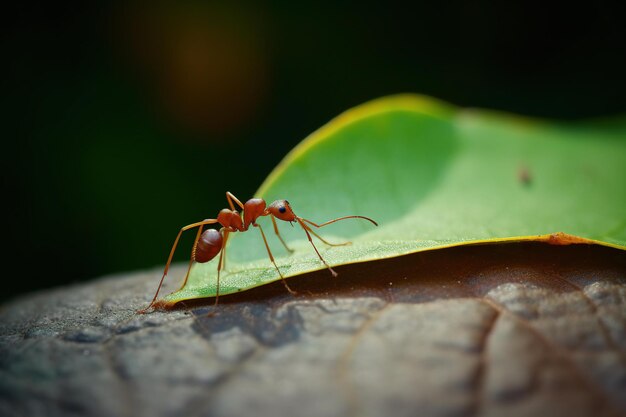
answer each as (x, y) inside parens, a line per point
(282, 210)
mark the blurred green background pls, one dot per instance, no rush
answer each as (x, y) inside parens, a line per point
(126, 120)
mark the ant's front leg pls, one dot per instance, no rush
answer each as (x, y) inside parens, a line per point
(269, 252)
(279, 236)
(308, 235)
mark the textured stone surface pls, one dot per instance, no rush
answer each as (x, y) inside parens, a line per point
(516, 330)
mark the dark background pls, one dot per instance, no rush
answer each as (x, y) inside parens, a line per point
(125, 120)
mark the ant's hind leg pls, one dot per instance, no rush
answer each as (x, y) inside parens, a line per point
(193, 255)
(169, 259)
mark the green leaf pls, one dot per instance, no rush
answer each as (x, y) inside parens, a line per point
(433, 176)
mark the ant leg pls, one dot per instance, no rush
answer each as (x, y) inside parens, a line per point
(193, 254)
(223, 262)
(169, 259)
(278, 234)
(219, 268)
(269, 252)
(231, 197)
(308, 235)
(324, 240)
(223, 258)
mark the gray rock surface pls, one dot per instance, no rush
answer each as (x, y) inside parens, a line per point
(515, 330)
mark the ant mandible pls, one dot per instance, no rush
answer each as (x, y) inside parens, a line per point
(212, 242)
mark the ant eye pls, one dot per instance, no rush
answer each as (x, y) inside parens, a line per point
(282, 209)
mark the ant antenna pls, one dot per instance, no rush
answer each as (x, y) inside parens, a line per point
(308, 232)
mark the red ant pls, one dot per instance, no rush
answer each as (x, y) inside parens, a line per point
(208, 244)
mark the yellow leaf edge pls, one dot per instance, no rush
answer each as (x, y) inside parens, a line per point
(557, 239)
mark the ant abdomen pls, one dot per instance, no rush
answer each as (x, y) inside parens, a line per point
(209, 245)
